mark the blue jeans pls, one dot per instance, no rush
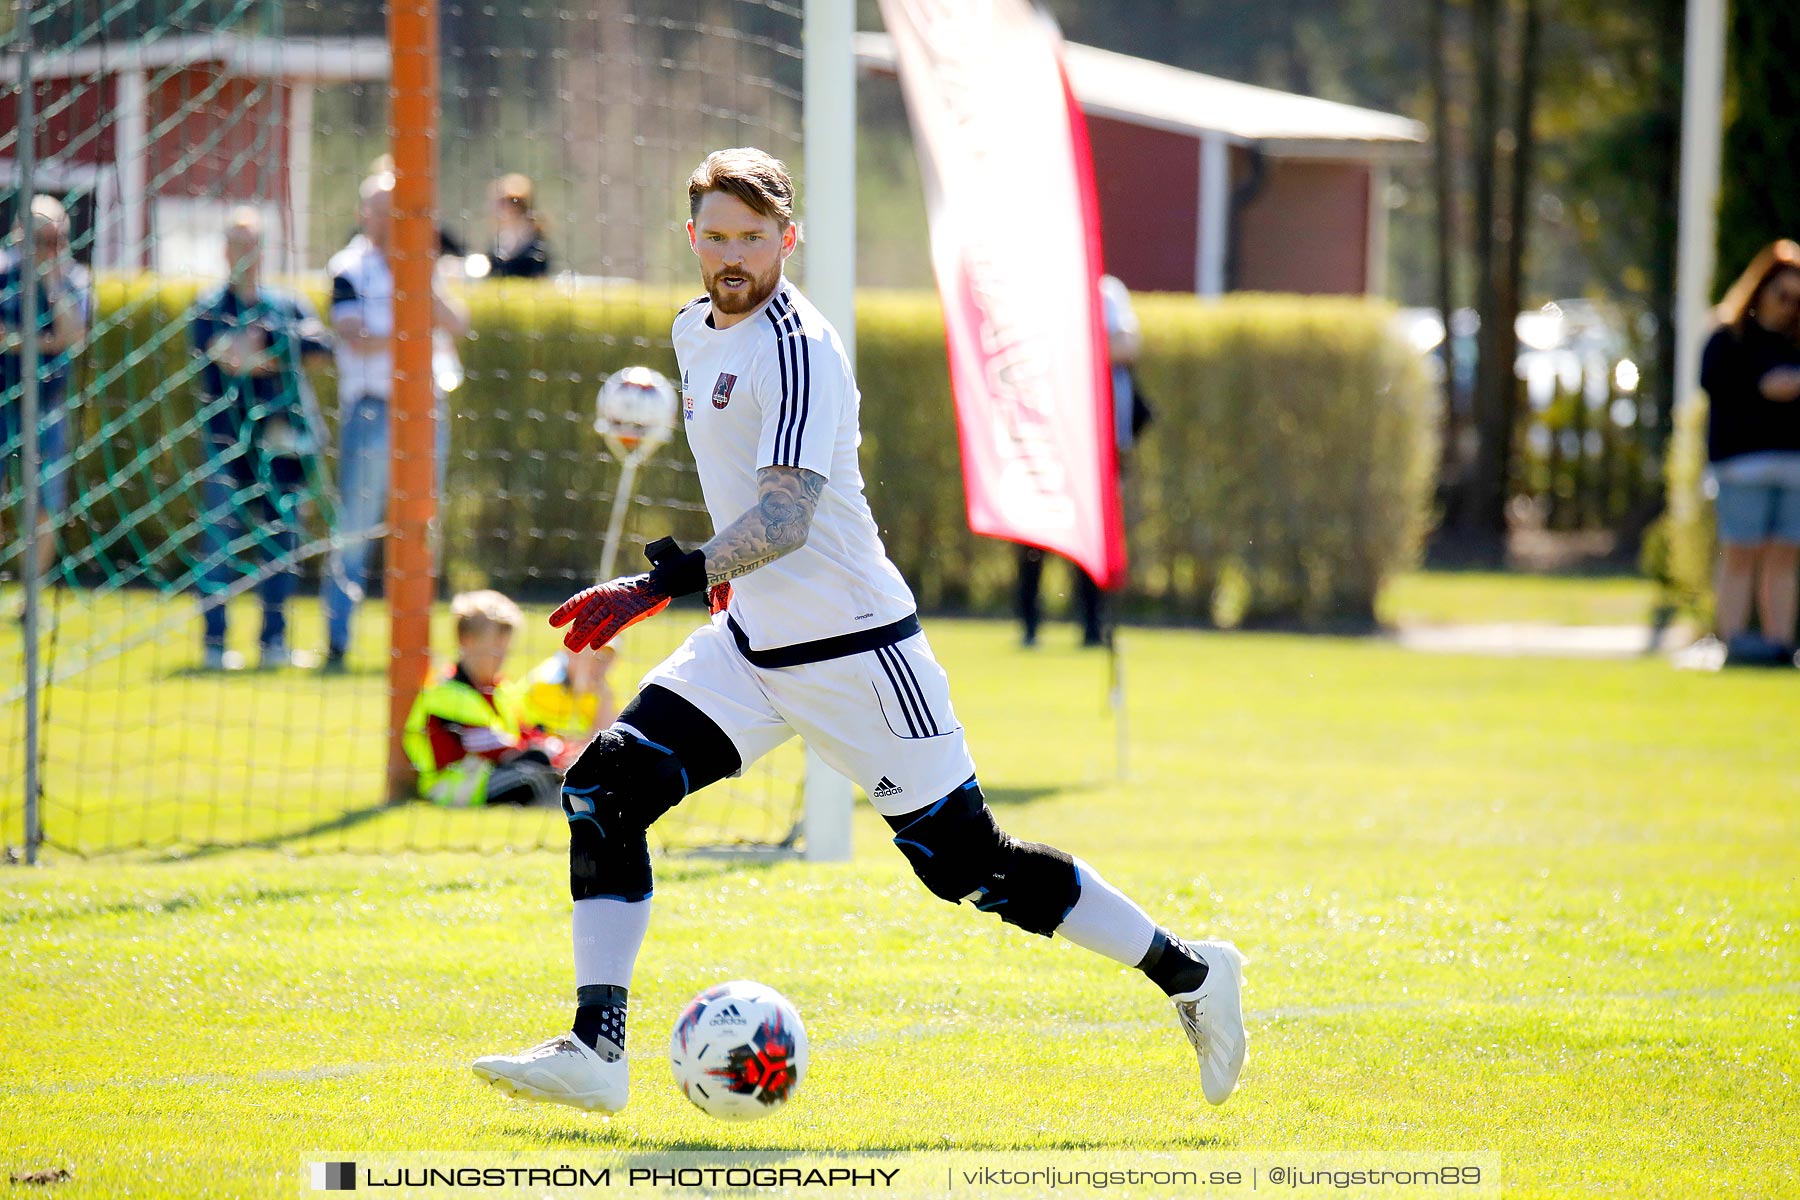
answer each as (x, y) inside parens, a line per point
(362, 507)
(248, 521)
(1759, 498)
(53, 458)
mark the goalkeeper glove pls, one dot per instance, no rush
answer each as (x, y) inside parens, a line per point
(599, 614)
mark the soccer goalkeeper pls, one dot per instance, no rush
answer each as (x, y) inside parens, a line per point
(814, 632)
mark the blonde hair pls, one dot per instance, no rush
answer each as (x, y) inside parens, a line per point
(754, 176)
(515, 189)
(519, 192)
(45, 210)
(478, 612)
(374, 185)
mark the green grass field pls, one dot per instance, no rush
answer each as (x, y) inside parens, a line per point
(1542, 908)
(1492, 597)
(144, 750)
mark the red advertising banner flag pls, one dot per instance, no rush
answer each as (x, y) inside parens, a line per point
(1015, 244)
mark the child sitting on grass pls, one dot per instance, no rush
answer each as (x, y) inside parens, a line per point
(568, 697)
(466, 733)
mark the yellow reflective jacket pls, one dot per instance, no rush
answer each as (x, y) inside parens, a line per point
(453, 699)
(543, 698)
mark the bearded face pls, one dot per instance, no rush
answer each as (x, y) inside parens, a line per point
(740, 251)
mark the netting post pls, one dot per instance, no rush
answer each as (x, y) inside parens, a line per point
(413, 97)
(829, 118)
(1702, 131)
(28, 419)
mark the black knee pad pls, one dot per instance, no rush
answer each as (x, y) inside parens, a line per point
(615, 791)
(960, 853)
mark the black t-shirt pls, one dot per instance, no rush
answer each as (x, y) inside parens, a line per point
(1741, 420)
(289, 330)
(529, 261)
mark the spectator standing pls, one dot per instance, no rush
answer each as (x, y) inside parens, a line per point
(261, 428)
(65, 305)
(518, 250)
(1123, 339)
(362, 316)
(1751, 372)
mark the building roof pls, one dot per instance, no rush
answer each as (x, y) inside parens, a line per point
(1142, 92)
(321, 60)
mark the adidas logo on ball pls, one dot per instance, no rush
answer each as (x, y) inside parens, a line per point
(738, 1051)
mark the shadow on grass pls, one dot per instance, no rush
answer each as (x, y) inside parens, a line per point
(250, 671)
(683, 863)
(349, 819)
(169, 906)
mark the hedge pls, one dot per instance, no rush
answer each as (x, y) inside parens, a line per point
(1680, 548)
(1286, 475)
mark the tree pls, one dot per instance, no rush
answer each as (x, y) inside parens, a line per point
(1443, 158)
(1499, 250)
(1759, 197)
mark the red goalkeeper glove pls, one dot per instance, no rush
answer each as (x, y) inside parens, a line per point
(601, 613)
(718, 598)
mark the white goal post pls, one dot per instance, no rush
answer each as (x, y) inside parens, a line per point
(829, 213)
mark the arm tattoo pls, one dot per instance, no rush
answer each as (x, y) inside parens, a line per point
(777, 524)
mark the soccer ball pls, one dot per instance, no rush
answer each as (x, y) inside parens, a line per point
(739, 1050)
(636, 405)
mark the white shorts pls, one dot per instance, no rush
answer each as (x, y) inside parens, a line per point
(882, 717)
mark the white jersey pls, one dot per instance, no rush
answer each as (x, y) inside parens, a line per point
(776, 389)
(363, 287)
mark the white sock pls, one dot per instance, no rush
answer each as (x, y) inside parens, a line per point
(608, 935)
(1105, 921)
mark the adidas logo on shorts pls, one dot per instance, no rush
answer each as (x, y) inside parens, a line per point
(887, 787)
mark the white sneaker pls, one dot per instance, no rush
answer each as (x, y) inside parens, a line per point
(276, 656)
(1212, 1015)
(218, 658)
(561, 1070)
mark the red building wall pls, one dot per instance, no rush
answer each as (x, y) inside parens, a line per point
(1305, 230)
(1149, 186)
(209, 135)
(223, 137)
(73, 120)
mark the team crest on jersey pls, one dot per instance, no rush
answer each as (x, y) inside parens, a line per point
(722, 390)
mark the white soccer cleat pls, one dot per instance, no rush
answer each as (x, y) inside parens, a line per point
(560, 1070)
(1212, 1015)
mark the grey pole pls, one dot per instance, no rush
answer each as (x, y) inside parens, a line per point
(28, 413)
(829, 117)
(1702, 131)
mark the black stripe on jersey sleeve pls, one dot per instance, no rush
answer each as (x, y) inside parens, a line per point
(791, 335)
(803, 352)
(776, 312)
(696, 300)
(796, 381)
(791, 347)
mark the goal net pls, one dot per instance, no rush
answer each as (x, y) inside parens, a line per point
(204, 459)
